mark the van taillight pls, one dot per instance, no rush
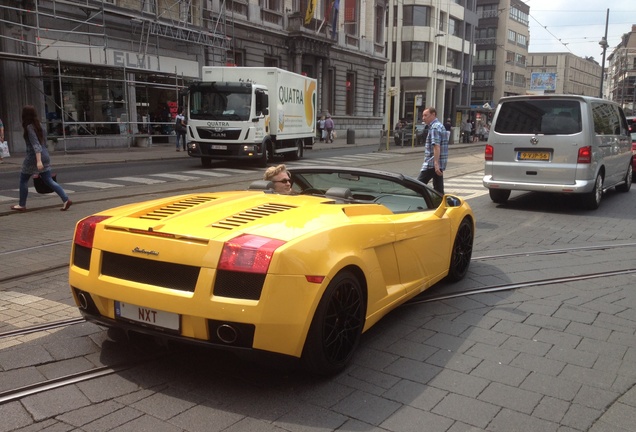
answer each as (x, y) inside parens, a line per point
(248, 253)
(585, 155)
(85, 230)
(489, 152)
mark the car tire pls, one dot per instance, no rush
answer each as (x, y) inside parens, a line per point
(626, 186)
(462, 251)
(592, 200)
(336, 327)
(499, 196)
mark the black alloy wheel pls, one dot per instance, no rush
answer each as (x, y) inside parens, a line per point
(336, 327)
(462, 251)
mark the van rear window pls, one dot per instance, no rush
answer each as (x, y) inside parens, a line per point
(543, 116)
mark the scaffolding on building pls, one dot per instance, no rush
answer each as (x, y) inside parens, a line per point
(35, 27)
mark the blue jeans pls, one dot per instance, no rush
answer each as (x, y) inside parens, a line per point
(46, 177)
(182, 136)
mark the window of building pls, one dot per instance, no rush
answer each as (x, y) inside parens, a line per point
(455, 27)
(509, 77)
(377, 82)
(351, 93)
(417, 16)
(518, 15)
(443, 18)
(512, 36)
(379, 25)
(487, 10)
(453, 59)
(269, 61)
(351, 17)
(331, 91)
(271, 5)
(485, 57)
(485, 32)
(149, 6)
(413, 51)
(484, 75)
(235, 58)
(522, 40)
(185, 12)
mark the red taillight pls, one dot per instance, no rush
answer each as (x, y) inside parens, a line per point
(85, 230)
(248, 253)
(585, 155)
(489, 152)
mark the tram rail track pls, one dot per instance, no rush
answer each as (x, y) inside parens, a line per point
(31, 389)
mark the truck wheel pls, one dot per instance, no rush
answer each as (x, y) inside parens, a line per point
(206, 162)
(267, 154)
(295, 155)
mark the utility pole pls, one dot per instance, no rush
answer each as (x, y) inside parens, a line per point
(603, 44)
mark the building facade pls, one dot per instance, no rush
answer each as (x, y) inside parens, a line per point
(621, 73)
(430, 52)
(502, 39)
(563, 73)
(104, 72)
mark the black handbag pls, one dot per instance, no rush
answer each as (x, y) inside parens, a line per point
(40, 186)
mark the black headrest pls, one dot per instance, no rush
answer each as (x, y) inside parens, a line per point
(339, 192)
(263, 185)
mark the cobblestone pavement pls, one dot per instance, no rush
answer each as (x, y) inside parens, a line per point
(556, 357)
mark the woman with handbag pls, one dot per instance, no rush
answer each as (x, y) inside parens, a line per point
(37, 159)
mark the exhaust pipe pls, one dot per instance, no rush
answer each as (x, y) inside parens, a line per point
(226, 333)
(83, 301)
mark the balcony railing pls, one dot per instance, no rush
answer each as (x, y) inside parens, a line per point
(484, 83)
(272, 17)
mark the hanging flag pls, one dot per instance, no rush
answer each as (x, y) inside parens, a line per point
(311, 8)
(334, 23)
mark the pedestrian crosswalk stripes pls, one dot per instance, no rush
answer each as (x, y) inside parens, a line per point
(143, 180)
(94, 184)
(468, 186)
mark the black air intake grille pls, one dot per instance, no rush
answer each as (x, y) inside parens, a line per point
(158, 273)
(174, 208)
(239, 285)
(250, 215)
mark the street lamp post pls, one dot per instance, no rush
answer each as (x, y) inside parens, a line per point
(603, 44)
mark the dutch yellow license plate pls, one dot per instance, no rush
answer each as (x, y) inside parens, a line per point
(530, 155)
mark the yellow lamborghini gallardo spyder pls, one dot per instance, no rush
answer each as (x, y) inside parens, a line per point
(301, 275)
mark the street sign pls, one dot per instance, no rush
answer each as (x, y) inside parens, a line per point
(418, 100)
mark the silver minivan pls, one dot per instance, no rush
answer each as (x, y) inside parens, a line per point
(558, 143)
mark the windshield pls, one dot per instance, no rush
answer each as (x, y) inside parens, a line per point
(213, 103)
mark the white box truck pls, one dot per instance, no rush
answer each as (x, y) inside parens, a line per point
(250, 113)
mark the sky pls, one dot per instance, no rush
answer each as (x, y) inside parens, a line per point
(577, 26)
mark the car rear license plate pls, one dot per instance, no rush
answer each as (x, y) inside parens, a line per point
(533, 155)
(147, 316)
(218, 147)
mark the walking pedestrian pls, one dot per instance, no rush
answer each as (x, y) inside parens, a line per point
(435, 151)
(467, 129)
(37, 160)
(321, 129)
(180, 129)
(329, 125)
